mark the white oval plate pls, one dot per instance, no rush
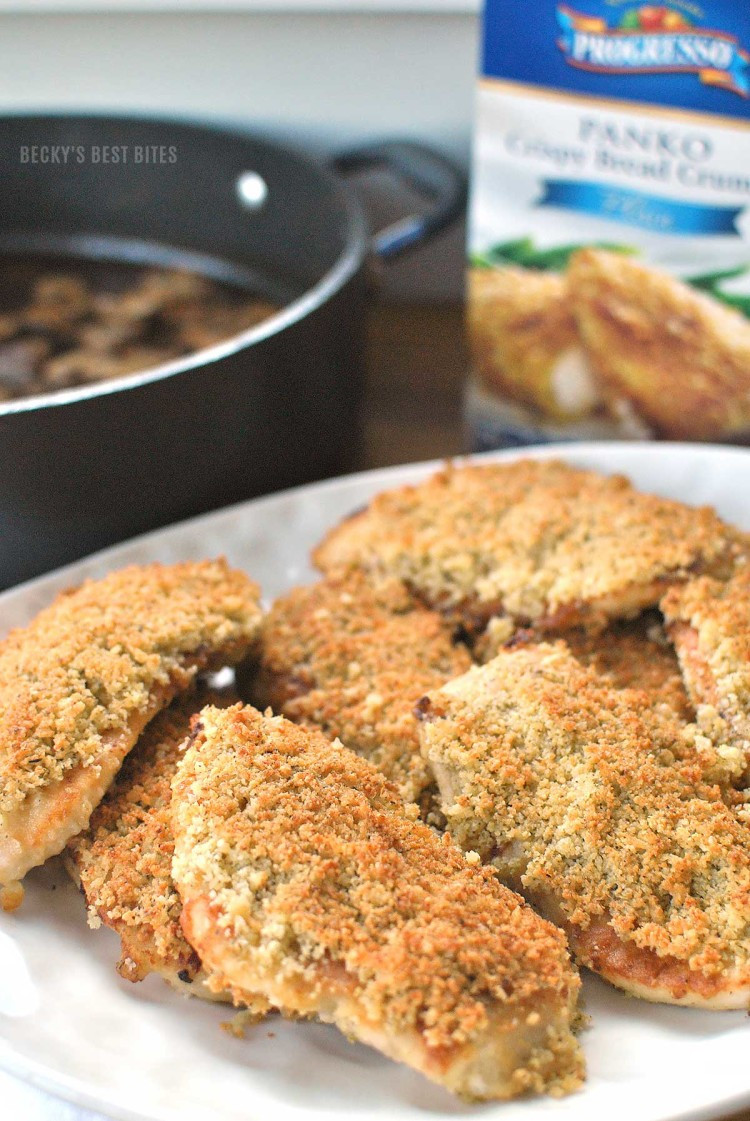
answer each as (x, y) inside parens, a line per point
(69, 1024)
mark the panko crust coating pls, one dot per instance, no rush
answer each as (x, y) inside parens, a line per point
(123, 861)
(607, 814)
(353, 660)
(709, 623)
(631, 655)
(304, 877)
(680, 357)
(538, 540)
(520, 326)
(79, 684)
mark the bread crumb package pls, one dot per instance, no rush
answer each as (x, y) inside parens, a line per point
(609, 244)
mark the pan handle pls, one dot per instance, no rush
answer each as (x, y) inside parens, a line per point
(425, 171)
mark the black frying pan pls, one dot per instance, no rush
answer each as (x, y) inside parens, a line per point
(272, 407)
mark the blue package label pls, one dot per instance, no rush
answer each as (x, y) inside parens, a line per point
(715, 56)
(685, 55)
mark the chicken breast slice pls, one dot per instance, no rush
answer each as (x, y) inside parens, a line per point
(537, 540)
(630, 655)
(609, 815)
(123, 861)
(305, 879)
(679, 356)
(525, 343)
(353, 661)
(81, 682)
(709, 624)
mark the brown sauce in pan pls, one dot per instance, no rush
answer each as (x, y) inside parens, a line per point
(67, 323)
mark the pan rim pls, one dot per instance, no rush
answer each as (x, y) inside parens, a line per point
(344, 268)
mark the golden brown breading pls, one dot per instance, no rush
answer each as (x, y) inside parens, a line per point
(740, 803)
(304, 877)
(525, 342)
(78, 685)
(680, 357)
(537, 540)
(709, 623)
(606, 815)
(634, 655)
(353, 661)
(123, 861)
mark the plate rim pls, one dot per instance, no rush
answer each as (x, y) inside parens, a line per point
(371, 474)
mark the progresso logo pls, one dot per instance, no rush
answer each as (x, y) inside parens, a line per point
(653, 40)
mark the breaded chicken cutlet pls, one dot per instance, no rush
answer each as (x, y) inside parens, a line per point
(123, 861)
(525, 341)
(631, 655)
(679, 356)
(606, 814)
(305, 878)
(353, 661)
(709, 624)
(81, 682)
(537, 540)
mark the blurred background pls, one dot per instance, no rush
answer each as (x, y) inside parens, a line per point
(321, 72)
